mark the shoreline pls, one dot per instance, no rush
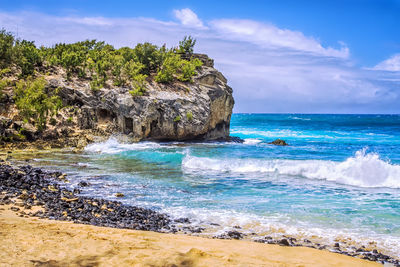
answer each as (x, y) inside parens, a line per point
(28, 187)
(27, 241)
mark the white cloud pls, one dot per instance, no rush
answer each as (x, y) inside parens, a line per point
(188, 18)
(390, 64)
(268, 35)
(270, 69)
(94, 21)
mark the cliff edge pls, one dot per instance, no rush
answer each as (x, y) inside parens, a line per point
(200, 110)
(197, 110)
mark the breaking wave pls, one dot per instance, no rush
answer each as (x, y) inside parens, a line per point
(363, 169)
(112, 146)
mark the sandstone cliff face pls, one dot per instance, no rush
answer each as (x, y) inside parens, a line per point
(180, 111)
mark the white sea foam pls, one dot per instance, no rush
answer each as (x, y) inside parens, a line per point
(252, 141)
(278, 226)
(363, 169)
(298, 118)
(112, 146)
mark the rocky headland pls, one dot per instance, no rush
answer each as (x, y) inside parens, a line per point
(74, 94)
(200, 110)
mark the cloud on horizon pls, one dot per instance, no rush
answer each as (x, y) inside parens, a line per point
(271, 69)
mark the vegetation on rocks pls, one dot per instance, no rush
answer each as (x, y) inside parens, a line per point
(189, 116)
(177, 119)
(34, 103)
(24, 66)
(101, 62)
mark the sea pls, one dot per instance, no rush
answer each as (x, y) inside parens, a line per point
(338, 180)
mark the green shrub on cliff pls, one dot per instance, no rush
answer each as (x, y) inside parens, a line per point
(188, 69)
(28, 57)
(168, 68)
(186, 45)
(6, 48)
(34, 102)
(189, 115)
(138, 84)
(177, 118)
(100, 63)
(149, 55)
(3, 84)
(176, 67)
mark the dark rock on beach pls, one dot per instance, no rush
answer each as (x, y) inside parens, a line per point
(36, 187)
(231, 235)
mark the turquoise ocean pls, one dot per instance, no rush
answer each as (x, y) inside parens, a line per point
(339, 178)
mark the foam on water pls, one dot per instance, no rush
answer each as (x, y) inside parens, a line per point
(363, 169)
(324, 184)
(252, 141)
(112, 146)
(279, 226)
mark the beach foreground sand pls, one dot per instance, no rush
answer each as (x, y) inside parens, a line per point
(38, 242)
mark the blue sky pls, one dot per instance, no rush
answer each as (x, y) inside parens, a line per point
(279, 56)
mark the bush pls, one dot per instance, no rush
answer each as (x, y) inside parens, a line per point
(34, 102)
(149, 55)
(188, 69)
(120, 78)
(186, 45)
(177, 119)
(3, 84)
(189, 115)
(169, 68)
(6, 48)
(27, 57)
(71, 62)
(101, 62)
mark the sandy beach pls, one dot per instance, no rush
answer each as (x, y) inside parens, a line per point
(27, 241)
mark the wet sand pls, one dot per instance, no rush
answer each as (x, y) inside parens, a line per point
(28, 241)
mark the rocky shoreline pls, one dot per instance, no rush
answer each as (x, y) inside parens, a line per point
(39, 193)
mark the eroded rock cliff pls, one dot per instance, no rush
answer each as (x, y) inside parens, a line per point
(200, 110)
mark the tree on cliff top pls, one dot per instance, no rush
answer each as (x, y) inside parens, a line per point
(186, 46)
(34, 103)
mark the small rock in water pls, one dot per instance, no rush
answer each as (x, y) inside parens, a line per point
(83, 184)
(119, 195)
(279, 142)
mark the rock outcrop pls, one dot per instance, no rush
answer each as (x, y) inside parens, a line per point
(200, 110)
(279, 142)
(180, 111)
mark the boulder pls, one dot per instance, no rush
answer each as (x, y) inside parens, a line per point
(5, 123)
(29, 131)
(279, 142)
